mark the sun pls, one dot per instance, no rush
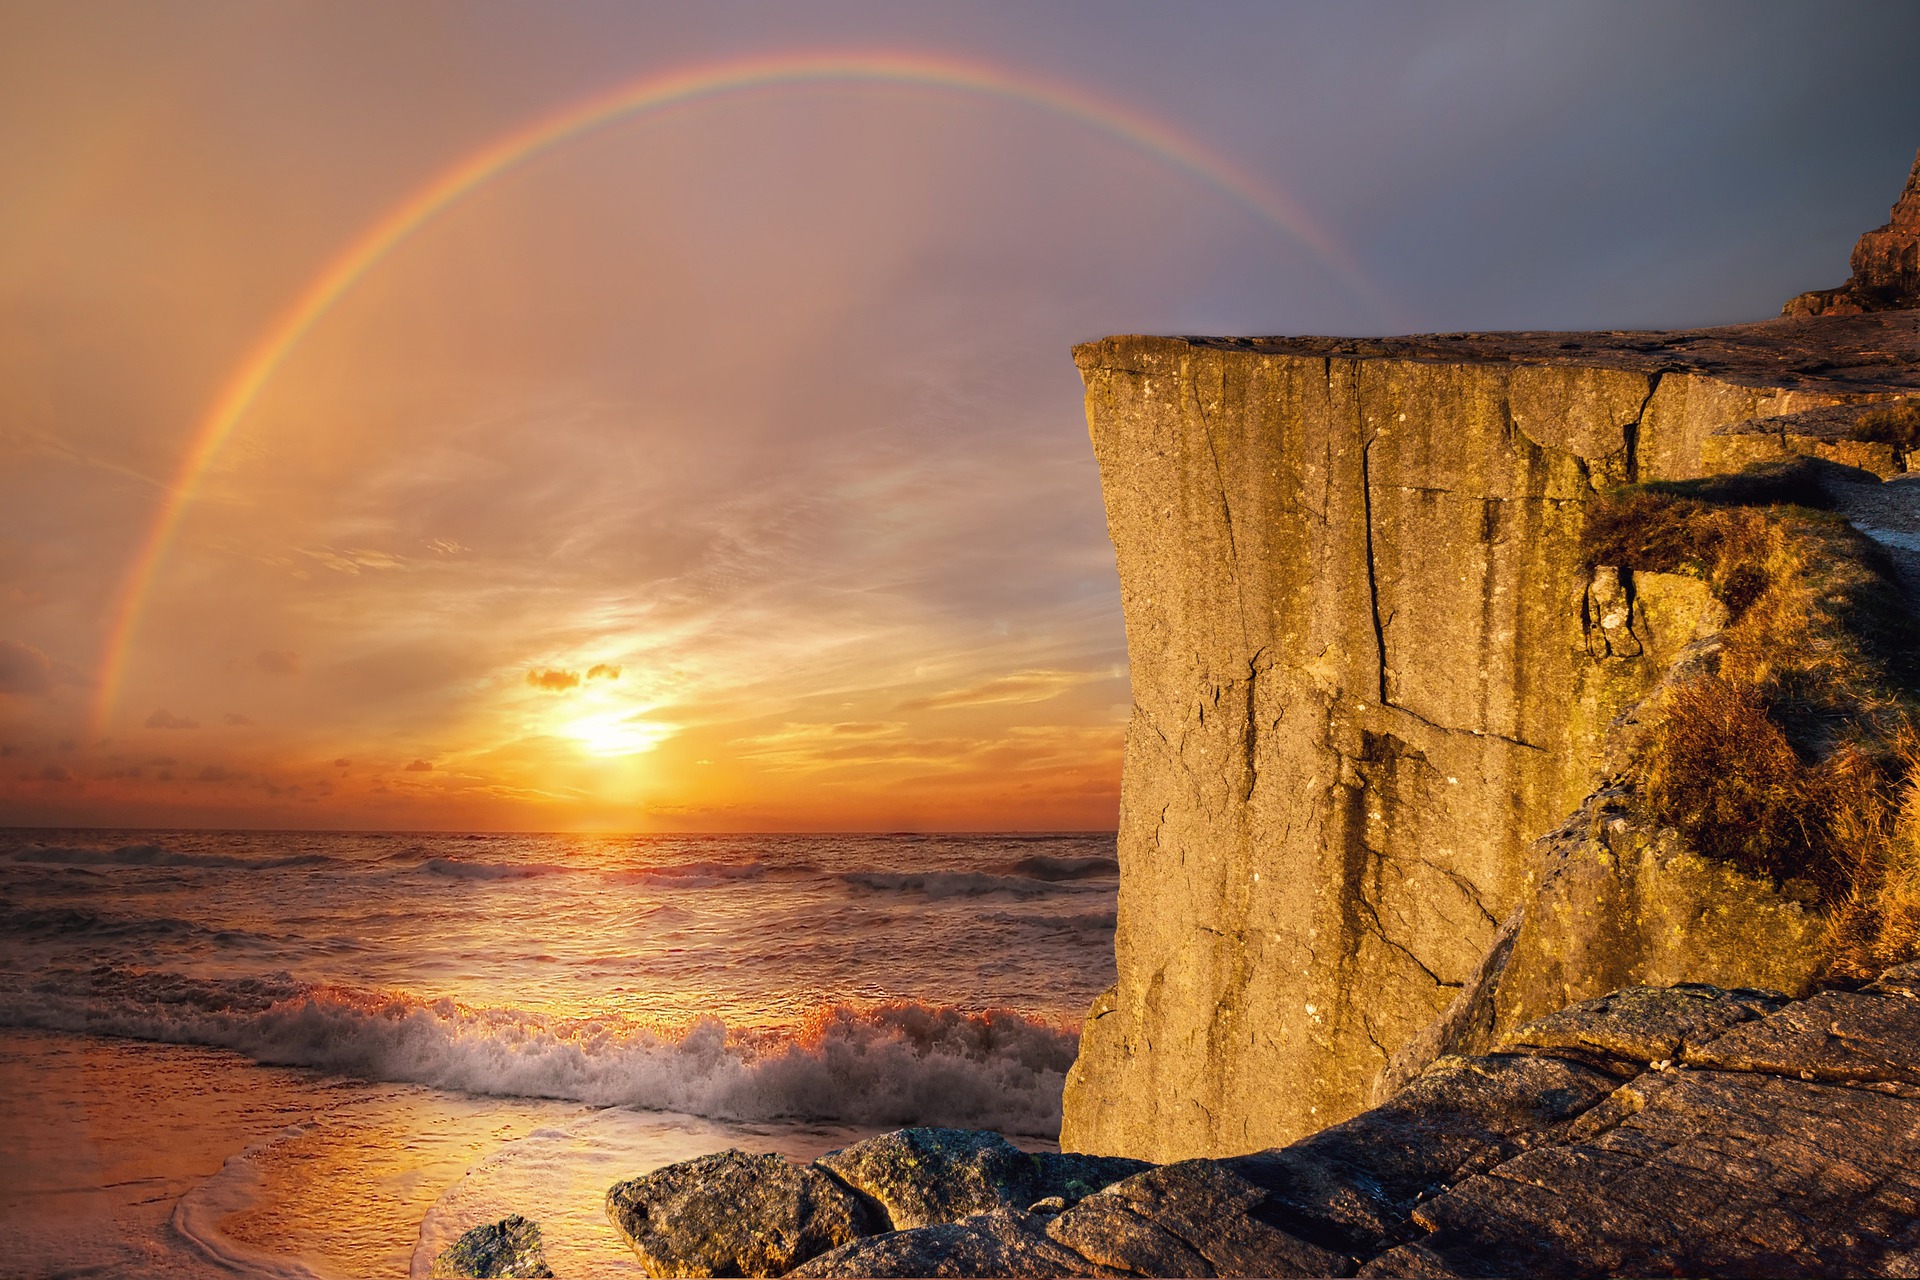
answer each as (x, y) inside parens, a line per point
(616, 732)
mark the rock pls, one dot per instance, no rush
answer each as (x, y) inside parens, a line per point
(1886, 265)
(1000, 1243)
(734, 1214)
(1715, 1174)
(921, 1177)
(1196, 1218)
(1786, 1145)
(1464, 1026)
(1636, 1026)
(1066, 1176)
(1370, 669)
(509, 1247)
(1351, 1187)
(1615, 904)
(1864, 1037)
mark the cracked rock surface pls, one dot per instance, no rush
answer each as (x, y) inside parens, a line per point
(1685, 1130)
(1370, 670)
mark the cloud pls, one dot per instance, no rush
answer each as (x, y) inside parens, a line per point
(1021, 686)
(26, 670)
(553, 680)
(342, 763)
(352, 560)
(218, 773)
(234, 717)
(420, 766)
(603, 671)
(165, 719)
(277, 662)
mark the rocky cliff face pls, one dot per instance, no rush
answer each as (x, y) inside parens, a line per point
(1886, 265)
(1370, 668)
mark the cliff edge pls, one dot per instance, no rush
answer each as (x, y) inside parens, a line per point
(1373, 664)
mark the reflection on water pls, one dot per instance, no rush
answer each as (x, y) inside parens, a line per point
(428, 1028)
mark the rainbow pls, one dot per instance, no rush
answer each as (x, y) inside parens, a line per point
(652, 93)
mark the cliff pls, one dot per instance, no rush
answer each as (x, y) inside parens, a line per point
(1372, 665)
(1885, 261)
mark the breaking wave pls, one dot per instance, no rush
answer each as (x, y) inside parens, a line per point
(891, 1064)
(1043, 867)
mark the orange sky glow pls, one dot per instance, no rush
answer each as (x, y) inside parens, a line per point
(454, 417)
(661, 456)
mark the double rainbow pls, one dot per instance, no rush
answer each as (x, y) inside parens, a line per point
(652, 93)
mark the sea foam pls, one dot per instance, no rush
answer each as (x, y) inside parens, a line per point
(895, 1063)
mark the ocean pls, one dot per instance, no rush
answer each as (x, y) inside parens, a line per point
(328, 1054)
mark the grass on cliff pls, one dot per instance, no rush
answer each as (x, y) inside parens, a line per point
(1799, 759)
(1897, 425)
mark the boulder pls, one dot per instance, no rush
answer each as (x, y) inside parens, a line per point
(735, 1214)
(999, 1243)
(1195, 1218)
(921, 1177)
(509, 1247)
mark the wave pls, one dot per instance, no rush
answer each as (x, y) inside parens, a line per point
(1044, 867)
(948, 884)
(1094, 925)
(153, 855)
(199, 1215)
(460, 869)
(690, 875)
(891, 1064)
(76, 922)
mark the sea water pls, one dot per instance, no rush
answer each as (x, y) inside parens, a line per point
(329, 1054)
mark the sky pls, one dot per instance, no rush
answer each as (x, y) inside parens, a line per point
(661, 417)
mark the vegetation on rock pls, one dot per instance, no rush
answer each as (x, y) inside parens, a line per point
(1797, 759)
(1897, 425)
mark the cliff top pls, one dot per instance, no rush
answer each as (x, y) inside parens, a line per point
(1840, 353)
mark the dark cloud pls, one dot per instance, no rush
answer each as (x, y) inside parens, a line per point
(342, 763)
(603, 671)
(165, 719)
(420, 766)
(553, 680)
(277, 662)
(24, 669)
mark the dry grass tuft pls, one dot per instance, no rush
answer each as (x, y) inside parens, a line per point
(1897, 425)
(1797, 761)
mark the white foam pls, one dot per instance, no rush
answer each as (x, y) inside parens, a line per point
(892, 1064)
(198, 1215)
